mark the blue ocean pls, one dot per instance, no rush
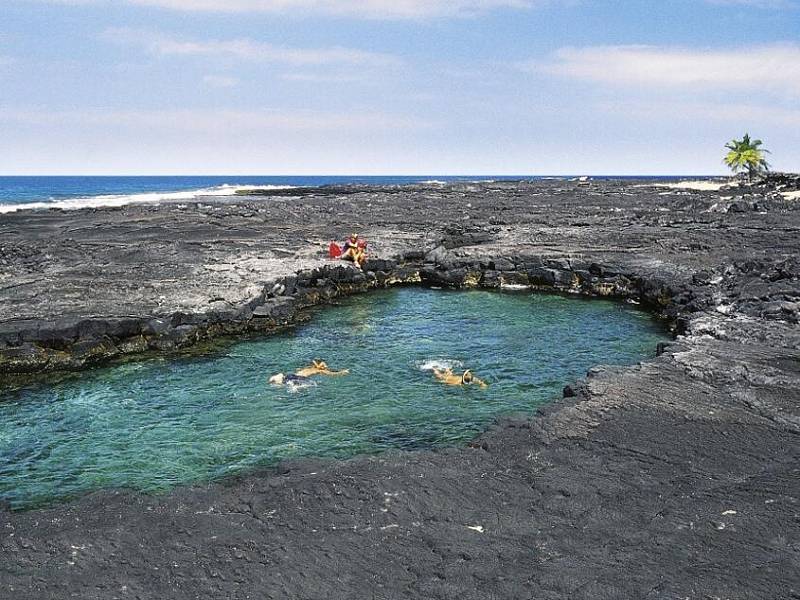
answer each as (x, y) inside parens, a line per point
(17, 193)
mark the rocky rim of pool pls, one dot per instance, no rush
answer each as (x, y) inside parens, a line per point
(156, 424)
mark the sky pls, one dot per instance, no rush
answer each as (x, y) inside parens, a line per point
(374, 87)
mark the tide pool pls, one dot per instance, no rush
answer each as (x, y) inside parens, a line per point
(163, 422)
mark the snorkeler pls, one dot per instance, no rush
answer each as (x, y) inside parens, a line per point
(290, 379)
(319, 367)
(355, 250)
(467, 378)
(302, 378)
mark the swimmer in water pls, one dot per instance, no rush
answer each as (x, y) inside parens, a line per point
(467, 378)
(303, 376)
(319, 367)
(280, 379)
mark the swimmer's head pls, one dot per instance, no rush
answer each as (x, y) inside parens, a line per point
(354, 236)
(320, 364)
(467, 377)
(277, 379)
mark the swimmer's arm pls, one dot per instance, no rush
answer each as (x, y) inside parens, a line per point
(481, 383)
(440, 374)
(337, 373)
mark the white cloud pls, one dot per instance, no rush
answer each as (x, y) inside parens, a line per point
(367, 9)
(698, 111)
(773, 67)
(246, 49)
(316, 78)
(216, 121)
(372, 9)
(220, 81)
(749, 113)
(754, 3)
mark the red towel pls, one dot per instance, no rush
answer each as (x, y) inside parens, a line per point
(334, 251)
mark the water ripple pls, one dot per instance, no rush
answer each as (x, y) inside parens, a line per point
(155, 424)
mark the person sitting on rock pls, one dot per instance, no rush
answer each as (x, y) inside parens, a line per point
(355, 250)
(319, 367)
(467, 378)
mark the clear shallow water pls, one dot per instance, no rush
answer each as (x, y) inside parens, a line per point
(156, 424)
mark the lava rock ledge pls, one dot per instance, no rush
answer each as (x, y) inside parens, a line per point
(678, 477)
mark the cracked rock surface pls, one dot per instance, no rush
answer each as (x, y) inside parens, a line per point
(675, 478)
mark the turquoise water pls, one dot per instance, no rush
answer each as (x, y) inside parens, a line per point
(155, 424)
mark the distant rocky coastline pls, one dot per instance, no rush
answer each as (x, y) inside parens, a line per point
(675, 478)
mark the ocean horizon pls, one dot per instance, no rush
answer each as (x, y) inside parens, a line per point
(26, 192)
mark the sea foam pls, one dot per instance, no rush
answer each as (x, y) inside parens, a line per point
(114, 200)
(440, 364)
(296, 386)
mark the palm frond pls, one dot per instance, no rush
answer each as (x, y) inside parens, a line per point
(745, 155)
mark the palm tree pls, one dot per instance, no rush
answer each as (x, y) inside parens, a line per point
(745, 155)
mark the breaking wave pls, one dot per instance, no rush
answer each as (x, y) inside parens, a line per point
(114, 200)
(440, 364)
